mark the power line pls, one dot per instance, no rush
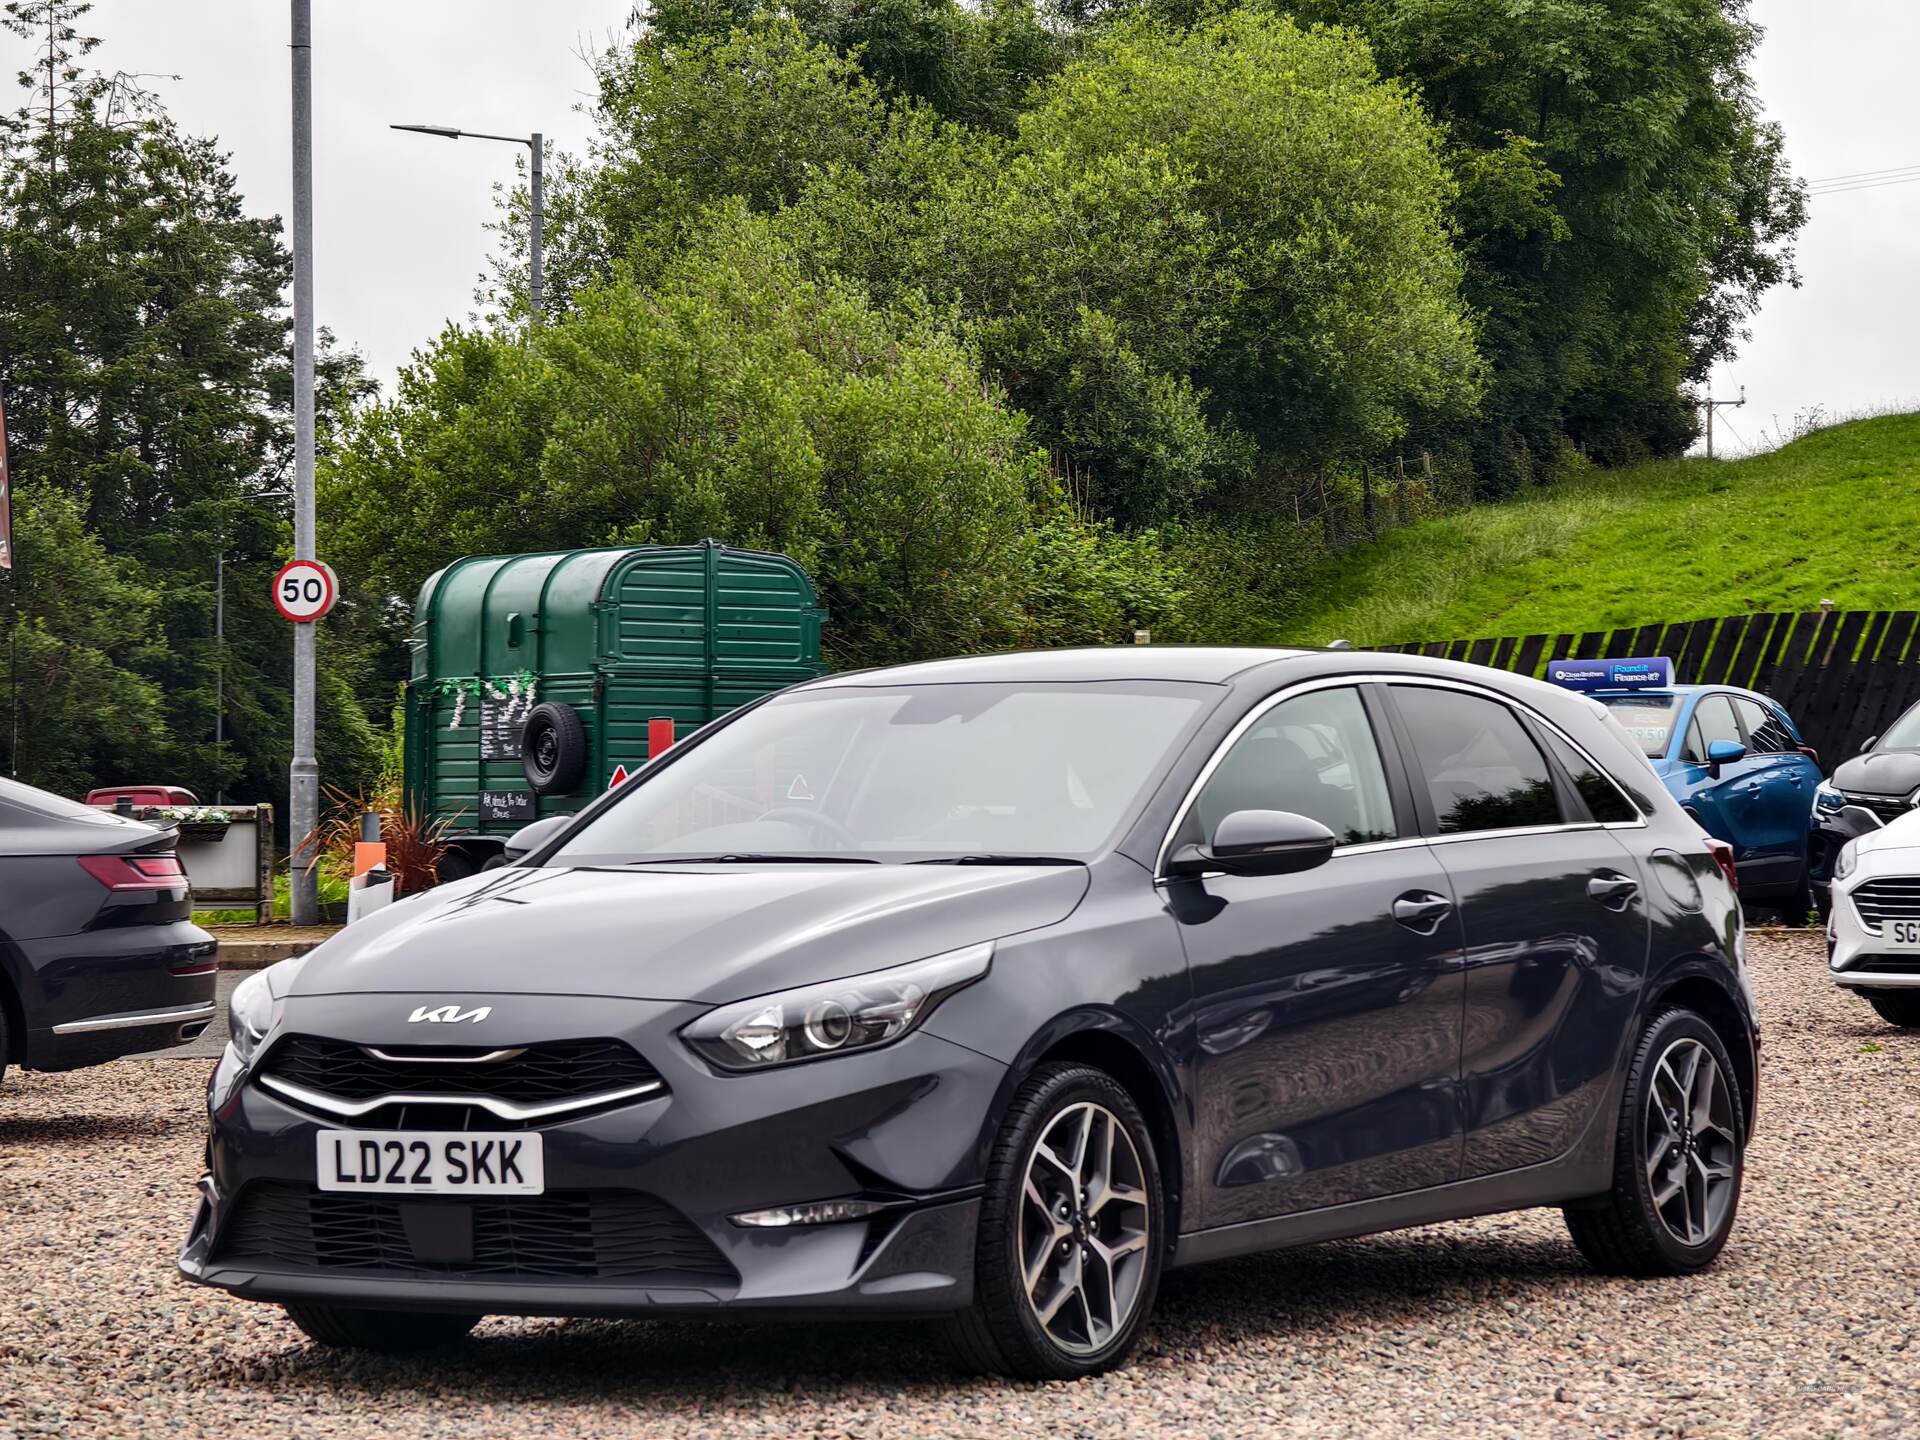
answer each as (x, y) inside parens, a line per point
(1736, 434)
(1864, 185)
(1863, 174)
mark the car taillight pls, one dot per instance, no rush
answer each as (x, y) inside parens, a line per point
(1811, 754)
(135, 872)
(1722, 854)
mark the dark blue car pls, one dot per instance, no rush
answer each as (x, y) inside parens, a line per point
(1736, 762)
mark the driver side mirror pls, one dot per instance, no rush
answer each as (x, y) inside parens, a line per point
(1258, 842)
(528, 838)
(1723, 752)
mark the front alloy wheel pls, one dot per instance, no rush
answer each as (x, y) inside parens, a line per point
(1071, 1231)
(1084, 1221)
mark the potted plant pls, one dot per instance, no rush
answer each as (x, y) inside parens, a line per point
(204, 823)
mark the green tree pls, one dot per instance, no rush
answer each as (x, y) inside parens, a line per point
(144, 336)
(1624, 204)
(733, 396)
(1207, 258)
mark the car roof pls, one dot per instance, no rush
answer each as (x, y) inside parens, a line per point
(1684, 690)
(1209, 664)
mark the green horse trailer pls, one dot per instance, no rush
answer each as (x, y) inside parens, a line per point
(537, 677)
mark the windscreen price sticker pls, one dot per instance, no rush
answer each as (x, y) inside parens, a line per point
(305, 590)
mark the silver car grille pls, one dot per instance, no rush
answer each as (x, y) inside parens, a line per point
(1879, 901)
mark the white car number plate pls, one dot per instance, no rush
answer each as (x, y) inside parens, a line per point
(1904, 932)
(430, 1162)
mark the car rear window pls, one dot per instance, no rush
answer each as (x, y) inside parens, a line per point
(1479, 766)
(1647, 718)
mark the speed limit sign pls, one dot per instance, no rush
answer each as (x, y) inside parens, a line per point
(304, 590)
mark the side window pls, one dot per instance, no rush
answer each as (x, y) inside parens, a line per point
(1477, 761)
(1712, 720)
(1604, 800)
(1767, 734)
(1314, 755)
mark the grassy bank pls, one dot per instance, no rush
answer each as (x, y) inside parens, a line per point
(1834, 516)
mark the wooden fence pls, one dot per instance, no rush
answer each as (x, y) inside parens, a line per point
(1844, 676)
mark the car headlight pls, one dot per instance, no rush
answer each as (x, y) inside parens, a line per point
(1846, 861)
(1826, 799)
(815, 1021)
(250, 1011)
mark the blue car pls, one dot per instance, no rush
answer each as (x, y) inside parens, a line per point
(1735, 761)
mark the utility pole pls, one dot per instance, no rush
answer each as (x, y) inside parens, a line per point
(1713, 405)
(304, 774)
(537, 218)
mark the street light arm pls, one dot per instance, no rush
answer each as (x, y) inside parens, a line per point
(449, 133)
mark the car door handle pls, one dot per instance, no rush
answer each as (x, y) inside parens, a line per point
(1421, 911)
(1793, 779)
(1612, 889)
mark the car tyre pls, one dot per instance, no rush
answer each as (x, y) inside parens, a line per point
(553, 749)
(1798, 906)
(391, 1332)
(455, 863)
(1679, 1156)
(1073, 1166)
(1896, 1007)
(6, 1041)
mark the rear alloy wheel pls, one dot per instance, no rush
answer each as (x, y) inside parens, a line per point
(1896, 1007)
(1071, 1232)
(1679, 1157)
(391, 1332)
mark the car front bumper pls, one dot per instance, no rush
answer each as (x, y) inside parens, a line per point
(1861, 956)
(902, 1125)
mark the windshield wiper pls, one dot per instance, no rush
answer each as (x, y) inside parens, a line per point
(755, 857)
(999, 860)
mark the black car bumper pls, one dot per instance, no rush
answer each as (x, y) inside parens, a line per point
(637, 1212)
(103, 994)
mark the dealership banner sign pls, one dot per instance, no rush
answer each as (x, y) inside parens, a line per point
(1653, 673)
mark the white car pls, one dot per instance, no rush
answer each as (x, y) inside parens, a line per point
(1873, 930)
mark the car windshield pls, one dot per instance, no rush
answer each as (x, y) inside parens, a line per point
(971, 773)
(1647, 718)
(1903, 734)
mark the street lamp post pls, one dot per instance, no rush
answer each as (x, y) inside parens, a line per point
(303, 774)
(536, 236)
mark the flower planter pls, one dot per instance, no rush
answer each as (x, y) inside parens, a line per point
(202, 831)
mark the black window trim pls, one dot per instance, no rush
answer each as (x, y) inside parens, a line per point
(1376, 691)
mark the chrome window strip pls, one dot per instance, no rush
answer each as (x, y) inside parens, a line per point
(505, 1109)
(1335, 682)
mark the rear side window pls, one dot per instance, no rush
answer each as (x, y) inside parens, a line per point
(1314, 755)
(1767, 733)
(1604, 800)
(1712, 720)
(1479, 765)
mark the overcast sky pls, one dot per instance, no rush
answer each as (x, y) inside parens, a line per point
(399, 218)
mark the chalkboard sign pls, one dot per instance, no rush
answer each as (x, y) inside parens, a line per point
(511, 806)
(500, 737)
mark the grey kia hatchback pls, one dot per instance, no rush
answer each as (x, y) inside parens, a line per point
(988, 991)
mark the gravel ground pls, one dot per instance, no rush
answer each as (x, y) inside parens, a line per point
(1489, 1327)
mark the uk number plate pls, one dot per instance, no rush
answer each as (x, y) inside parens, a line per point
(1904, 932)
(430, 1162)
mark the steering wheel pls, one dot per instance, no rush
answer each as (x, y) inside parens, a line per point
(815, 820)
